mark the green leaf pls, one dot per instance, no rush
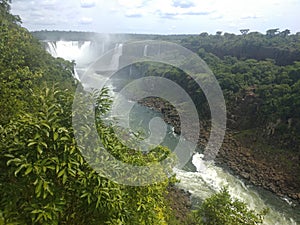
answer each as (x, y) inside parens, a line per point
(28, 170)
(38, 188)
(61, 173)
(65, 177)
(19, 169)
(16, 161)
(55, 136)
(65, 138)
(32, 143)
(46, 125)
(39, 149)
(84, 195)
(44, 144)
(9, 155)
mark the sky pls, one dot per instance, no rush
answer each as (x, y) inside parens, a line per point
(159, 16)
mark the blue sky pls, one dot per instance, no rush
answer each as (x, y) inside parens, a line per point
(159, 16)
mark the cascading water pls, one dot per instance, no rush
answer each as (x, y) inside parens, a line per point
(51, 48)
(210, 178)
(69, 50)
(82, 52)
(103, 48)
(114, 64)
(76, 74)
(146, 50)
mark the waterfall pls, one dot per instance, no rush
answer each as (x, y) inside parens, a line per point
(51, 48)
(145, 50)
(76, 74)
(115, 60)
(69, 50)
(103, 48)
(130, 71)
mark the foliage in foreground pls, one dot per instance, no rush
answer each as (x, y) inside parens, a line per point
(221, 209)
(47, 180)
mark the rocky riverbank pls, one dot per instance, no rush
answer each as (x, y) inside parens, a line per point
(275, 172)
(260, 168)
(180, 203)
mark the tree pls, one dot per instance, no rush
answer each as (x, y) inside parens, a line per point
(221, 209)
(285, 33)
(272, 32)
(203, 34)
(5, 12)
(229, 35)
(5, 6)
(244, 31)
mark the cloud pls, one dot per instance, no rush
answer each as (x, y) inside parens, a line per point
(250, 17)
(216, 16)
(133, 15)
(197, 13)
(168, 15)
(132, 3)
(178, 15)
(179, 9)
(135, 12)
(156, 15)
(172, 28)
(48, 3)
(183, 4)
(87, 3)
(85, 20)
(51, 14)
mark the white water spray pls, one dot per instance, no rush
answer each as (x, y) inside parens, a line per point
(69, 50)
(209, 179)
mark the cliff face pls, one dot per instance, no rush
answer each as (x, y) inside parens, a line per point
(265, 153)
(248, 157)
(244, 115)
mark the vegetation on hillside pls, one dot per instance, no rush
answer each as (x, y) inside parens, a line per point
(45, 179)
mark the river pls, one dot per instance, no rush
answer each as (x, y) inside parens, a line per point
(203, 181)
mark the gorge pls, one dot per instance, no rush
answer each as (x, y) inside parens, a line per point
(201, 183)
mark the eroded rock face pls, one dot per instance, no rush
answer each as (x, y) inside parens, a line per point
(261, 169)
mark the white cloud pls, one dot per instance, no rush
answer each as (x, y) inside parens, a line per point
(183, 3)
(172, 28)
(133, 14)
(132, 3)
(48, 2)
(87, 3)
(184, 8)
(158, 16)
(251, 16)
(86, 20)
